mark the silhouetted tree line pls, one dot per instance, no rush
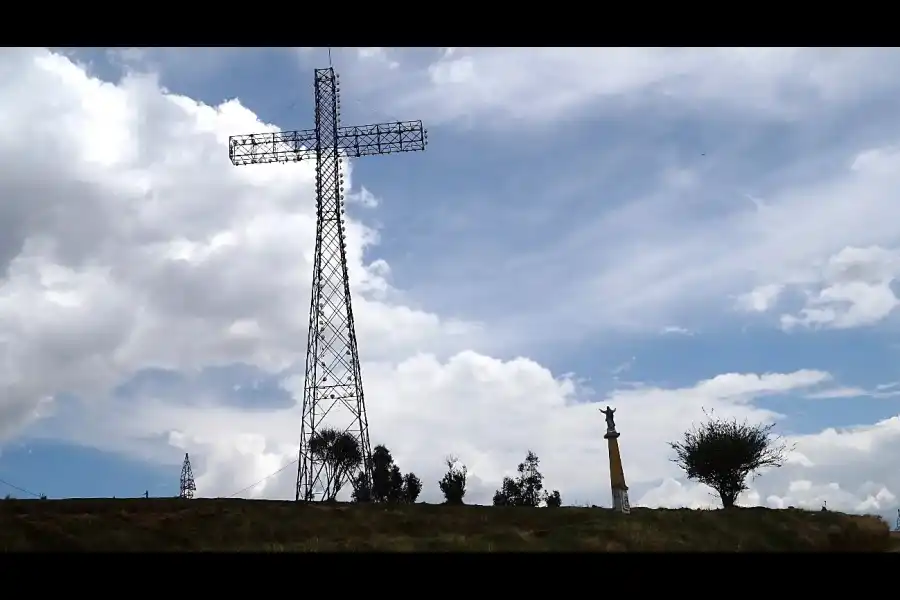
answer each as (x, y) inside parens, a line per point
(340, 454)
(719, 453)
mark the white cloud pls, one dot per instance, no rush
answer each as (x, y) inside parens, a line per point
(623, 367)
(377, 54)
(880, 391)
(490, 412)
(838, 392)
(853, 290)
(760, 299)
(128, 240)
(486, 411)
(675, 330)
(507, 87)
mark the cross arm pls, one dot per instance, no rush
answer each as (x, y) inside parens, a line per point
(280, 147)
(382, 138)
(354, 141)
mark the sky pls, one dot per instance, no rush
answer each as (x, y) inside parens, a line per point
(665, 231)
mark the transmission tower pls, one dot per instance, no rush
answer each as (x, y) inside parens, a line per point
(188, 487)
(333, 390)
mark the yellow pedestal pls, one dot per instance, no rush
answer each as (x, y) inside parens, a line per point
(617, 475)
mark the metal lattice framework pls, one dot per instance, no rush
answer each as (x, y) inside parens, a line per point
(333, 390)
(188, 487)
(353, 142)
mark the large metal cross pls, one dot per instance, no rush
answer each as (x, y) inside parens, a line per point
(332, 393)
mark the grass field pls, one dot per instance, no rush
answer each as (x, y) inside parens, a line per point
(258, 525)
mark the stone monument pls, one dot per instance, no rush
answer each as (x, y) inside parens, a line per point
(616, 472)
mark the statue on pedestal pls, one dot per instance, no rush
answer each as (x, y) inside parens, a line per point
(610, 424)
(616, 472)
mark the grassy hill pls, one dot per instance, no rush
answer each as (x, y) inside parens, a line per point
(257, 525)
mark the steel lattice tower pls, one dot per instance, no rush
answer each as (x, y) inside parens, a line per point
(188, 487)
(333, 387)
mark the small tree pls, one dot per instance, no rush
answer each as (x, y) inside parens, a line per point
(530, 480)
(362, 488)
(527, 488)
(508, 494)
(382, 463)
(339, 454)
(553, 499)
(723, 453)
(395, 492)
(412, 487)
(453, 484)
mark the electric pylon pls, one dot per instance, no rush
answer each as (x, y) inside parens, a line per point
(188, 487)
(333, 390)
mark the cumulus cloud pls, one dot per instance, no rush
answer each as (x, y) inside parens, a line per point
(129, 241)
(487, 412)
(853, 290)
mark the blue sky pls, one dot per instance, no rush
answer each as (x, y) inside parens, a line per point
(662, 230)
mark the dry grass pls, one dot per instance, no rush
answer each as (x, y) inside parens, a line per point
(895, 541)
(248, 525)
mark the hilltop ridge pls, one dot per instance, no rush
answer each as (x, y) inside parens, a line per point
(262, 525)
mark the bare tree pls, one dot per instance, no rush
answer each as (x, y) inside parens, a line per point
(339, 454)
(722, 453)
